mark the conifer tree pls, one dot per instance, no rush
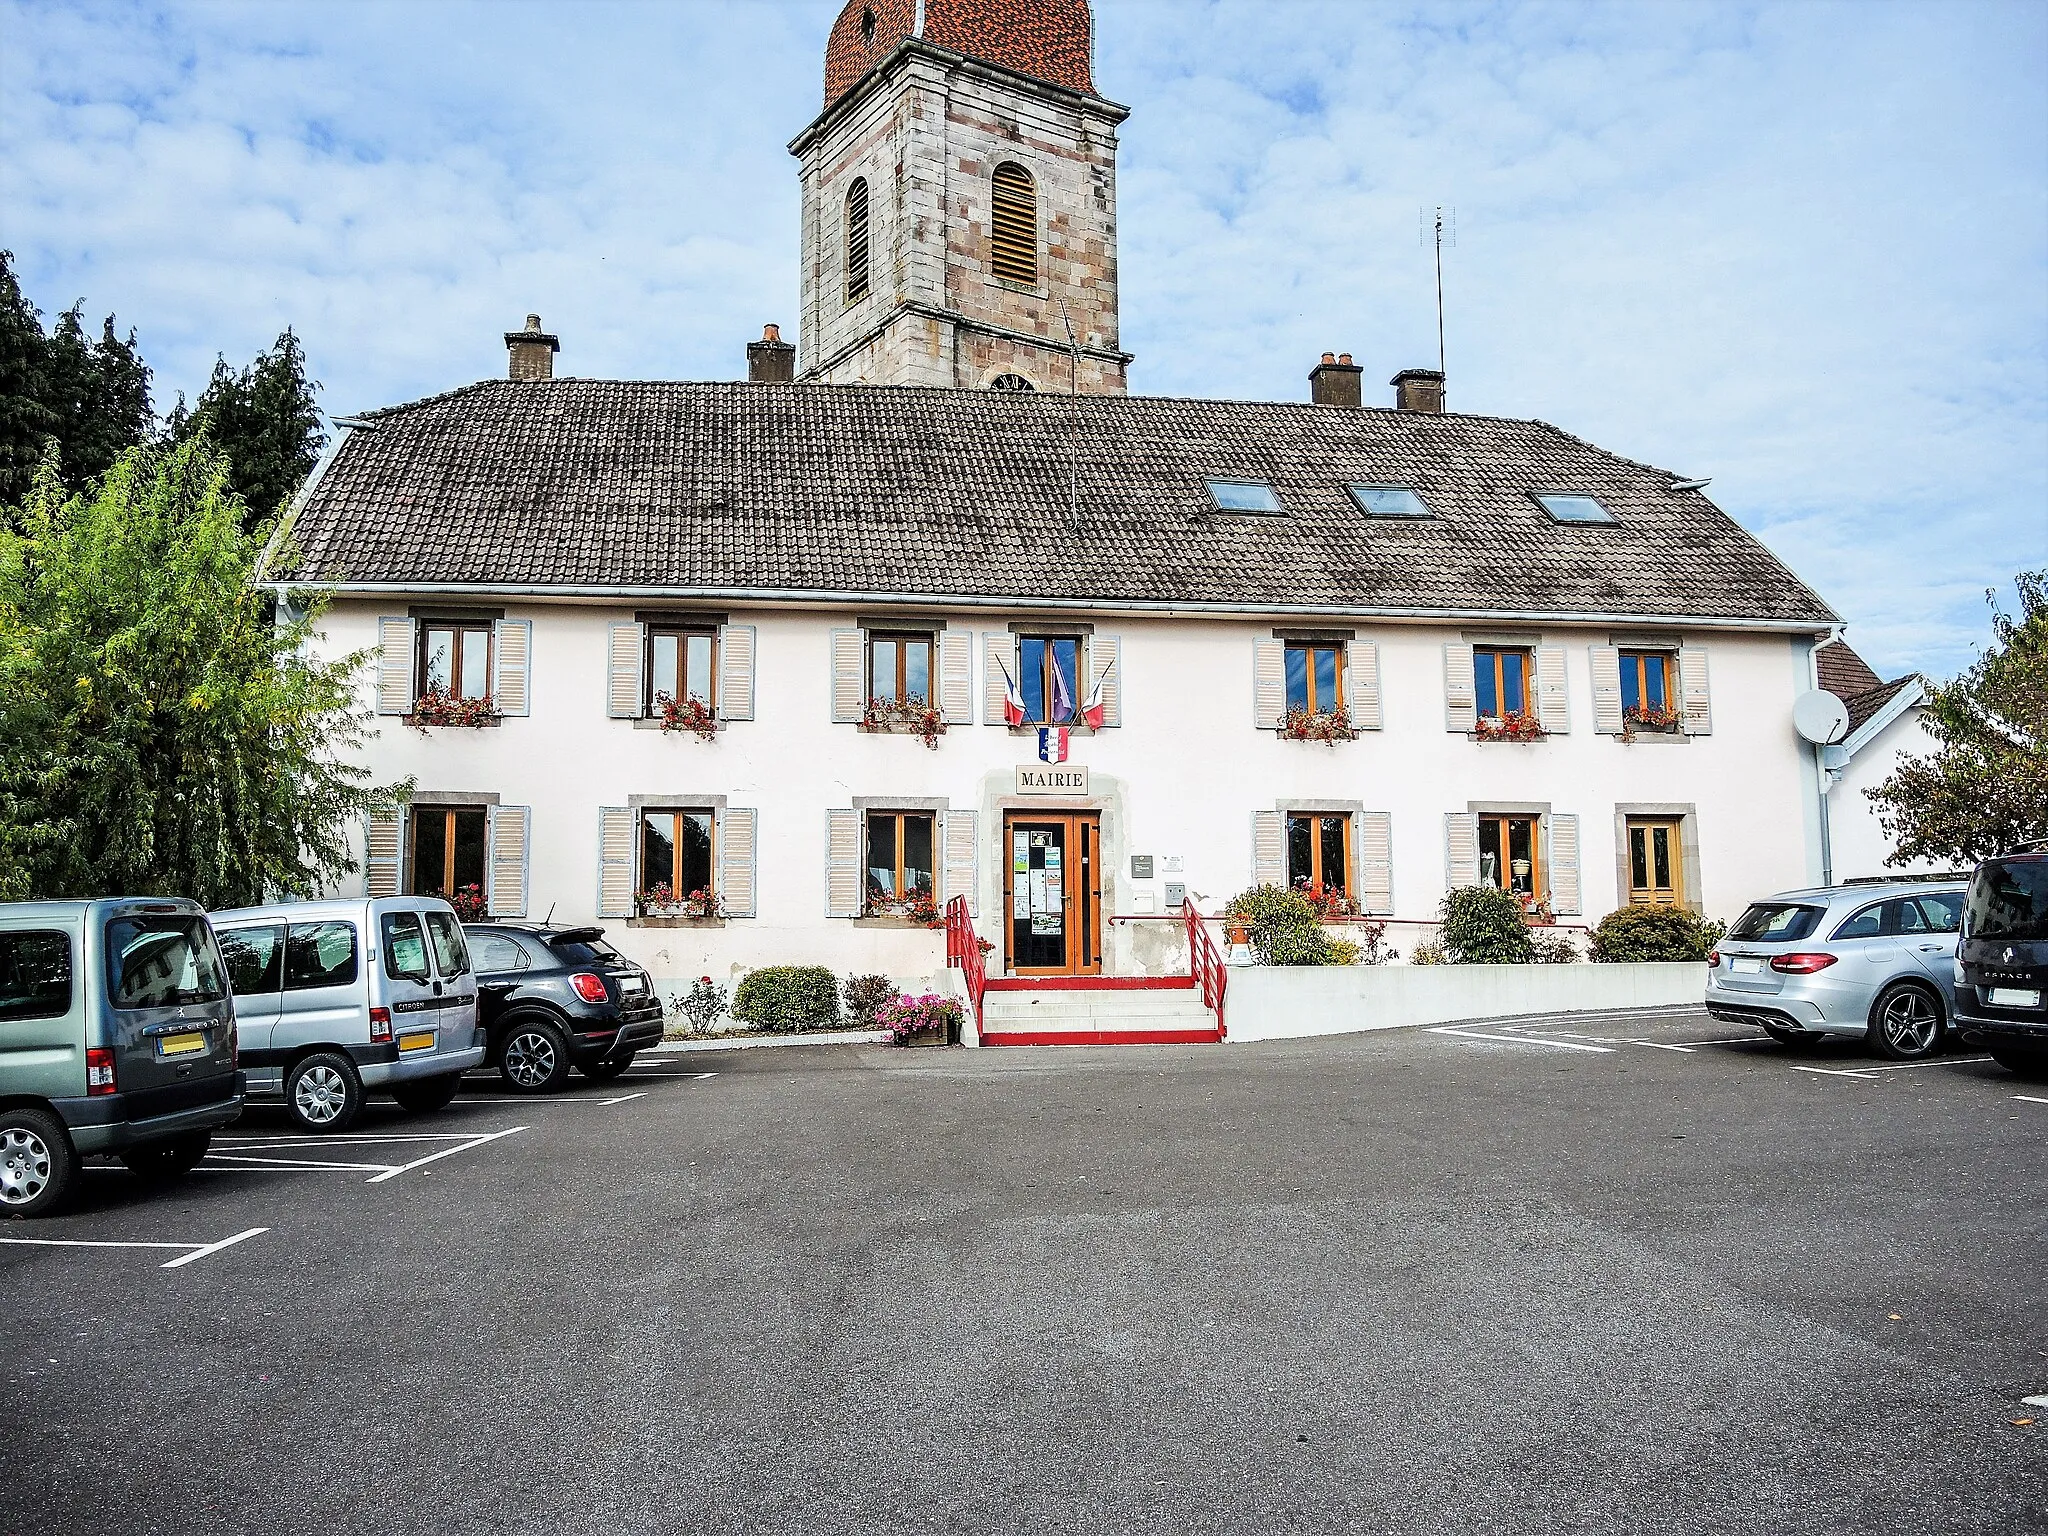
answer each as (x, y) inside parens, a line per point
(265, 419)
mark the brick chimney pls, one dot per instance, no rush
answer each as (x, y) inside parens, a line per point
(1418, 389)
(771, 360)
(1337, 381)
(533, 351)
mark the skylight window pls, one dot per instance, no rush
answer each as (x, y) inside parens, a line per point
(1388, 501)
(1243, 496)
(1575, 509)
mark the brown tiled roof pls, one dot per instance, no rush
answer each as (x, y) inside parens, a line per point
(856, 488)
(1849, 678)
(1045, 39)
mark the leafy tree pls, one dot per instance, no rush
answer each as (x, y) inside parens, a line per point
(159, 731)
(265, 419)
(1985, 790)
(25, 422)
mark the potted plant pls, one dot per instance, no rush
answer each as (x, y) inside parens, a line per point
(437, 706)
(469, 903)
(703, 904)
(1515, 725)
(927, 1020)
(1330, 904)
(1661, 719)
(691, 714)
(1318, 725)
(913, 715)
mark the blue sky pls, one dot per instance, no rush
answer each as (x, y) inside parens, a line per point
(1800, 248)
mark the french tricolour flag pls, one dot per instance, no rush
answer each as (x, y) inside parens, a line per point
(1052, 744)
(1013, 701)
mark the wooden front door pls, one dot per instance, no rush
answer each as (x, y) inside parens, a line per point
(1052, 892)
(1656, 873)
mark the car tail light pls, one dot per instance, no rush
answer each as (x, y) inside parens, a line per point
(588, 987)
(1713, 958)
(1802, 965)
(99, 1072)
(380, 1026)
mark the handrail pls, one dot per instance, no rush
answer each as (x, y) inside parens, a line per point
(1205, 963)
(963, 948)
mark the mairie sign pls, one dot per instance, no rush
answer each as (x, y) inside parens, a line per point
(1062, 779)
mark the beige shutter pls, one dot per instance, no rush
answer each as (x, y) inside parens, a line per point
(1106, 663)
(849, 700)
(1553, 699)
(397, 659)
(736, 672)
(737, 861)
(617, 833)
(960, 839)
(998, 658)
(626, 698)
(1461, 709)
(1362, 684)
(512, 652)
(1692, 685)
(956, 677)
(843, 882)
(1269, 848)
(1564, 897)
(1606, 666)
(1374, 840)
(1461, 849)
(1269, 683)
(383, 852)
(507, 838)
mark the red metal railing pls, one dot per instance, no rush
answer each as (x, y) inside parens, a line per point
(1205, 963)
(963, 948)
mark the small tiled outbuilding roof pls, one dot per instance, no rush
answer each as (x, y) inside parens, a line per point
(1849, 678)
(581, 483)
(1045, 39)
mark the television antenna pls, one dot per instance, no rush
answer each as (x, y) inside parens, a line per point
(1444, 226)
(1073, 419)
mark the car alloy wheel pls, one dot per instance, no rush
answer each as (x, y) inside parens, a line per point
(530, 1059)
(1909, 1023)
(26, 1166)
(322, 1095)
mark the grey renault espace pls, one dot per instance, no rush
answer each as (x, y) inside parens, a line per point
(2002, 963)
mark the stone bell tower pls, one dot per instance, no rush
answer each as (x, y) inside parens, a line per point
(958, 186)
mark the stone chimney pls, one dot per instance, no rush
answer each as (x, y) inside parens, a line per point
(1418, 389)
(771, 360)
(533, 351)
(1337, 381)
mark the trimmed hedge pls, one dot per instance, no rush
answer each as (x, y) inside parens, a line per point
(787, 999)
(1630, 935)
(1483, 925)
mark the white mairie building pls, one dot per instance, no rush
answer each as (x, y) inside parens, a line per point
(767, 640)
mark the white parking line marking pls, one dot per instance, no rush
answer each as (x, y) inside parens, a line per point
(1907, 1066)
(622, 1098)
(2028, 1098)
(1658, 1045)
(290, 1162)
(1736, 1040)
(1862, 1074)
(213, 1248)
(195, 1251)
(1570, 1034)
(435, 1157)
(1558, 1045)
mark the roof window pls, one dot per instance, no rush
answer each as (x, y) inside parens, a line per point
(1243, 496)
(1387, 501)
(1574, 508)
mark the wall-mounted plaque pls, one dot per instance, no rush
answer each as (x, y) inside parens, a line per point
(1141, 866)
(1063, 779)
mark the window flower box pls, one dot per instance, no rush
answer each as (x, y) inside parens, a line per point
(1660, 720)
(919, 907)
(437, 706)
(1515, 725)
(1331, 905)
(911, 717)
(1318, 725)
(690, 714)
(470, 904)
(662, 901)
(927, 1020)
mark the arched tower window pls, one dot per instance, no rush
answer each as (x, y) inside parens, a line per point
(857, 241)
(1013, 225)
(1012, 384)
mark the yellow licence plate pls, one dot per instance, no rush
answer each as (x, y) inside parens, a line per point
(181, 1045)
(423, 1040)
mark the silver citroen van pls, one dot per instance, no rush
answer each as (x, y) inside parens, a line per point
(336, 999)
(117, 1035)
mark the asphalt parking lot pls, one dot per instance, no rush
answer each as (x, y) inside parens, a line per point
(1613, 1274)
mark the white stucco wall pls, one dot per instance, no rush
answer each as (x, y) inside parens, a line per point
(1860, 843)
(1181, 776)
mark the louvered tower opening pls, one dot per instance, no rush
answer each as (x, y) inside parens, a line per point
(1013, 228)
(857, 241)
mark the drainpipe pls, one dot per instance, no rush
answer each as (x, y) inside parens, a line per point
(1827, 848)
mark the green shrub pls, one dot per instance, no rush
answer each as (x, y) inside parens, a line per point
(1553, 948)
(785, 999)
(1483, 925)
(863, 996)
(1283, 926)
(1633, 934)
(1344, 952)
(1429, 952)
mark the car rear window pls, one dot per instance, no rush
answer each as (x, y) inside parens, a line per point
(405, 947)
(35, 975)
(451, 954)
(586, 952)
(161, 962)
(2008, 900)
(1776, 922)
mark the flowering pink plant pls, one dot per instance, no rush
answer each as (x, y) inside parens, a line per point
(1515, 725)
(1318, 725)
(468, 902)
(924, 721)
(910, 1016)
(437, 706)
(1650, 717)
(692, 714)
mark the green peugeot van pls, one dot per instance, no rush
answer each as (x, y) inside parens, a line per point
(117, 1035)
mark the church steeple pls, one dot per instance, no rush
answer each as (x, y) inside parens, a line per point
(959, 200)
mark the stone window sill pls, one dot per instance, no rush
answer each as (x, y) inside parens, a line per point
(653, 723)
(1644, 737)
(907, 923)
(676, 922)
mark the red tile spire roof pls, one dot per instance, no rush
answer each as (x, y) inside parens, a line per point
(1046, 39)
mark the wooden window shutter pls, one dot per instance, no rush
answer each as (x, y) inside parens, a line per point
(956, 677)
(618, 831)
(857, 241)
(383, 852)
(1461, 849)
(960, 834)
(1269, 683)
(512, 655)
(1362, 684)
(738, 861)
(1106, 665)
(1461, 708)
(1553, 698)
(1563, 861)
(397, 661)
(1606, 665)
(507, 874)
(1374, 840)
(849, 652)
(1269, 848)
(842, 863)
(1692, 686)
(626, 698)
(998, 661)
(1013, 224)
(736, 672)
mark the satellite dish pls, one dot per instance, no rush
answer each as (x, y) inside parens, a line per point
(1820, 717)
